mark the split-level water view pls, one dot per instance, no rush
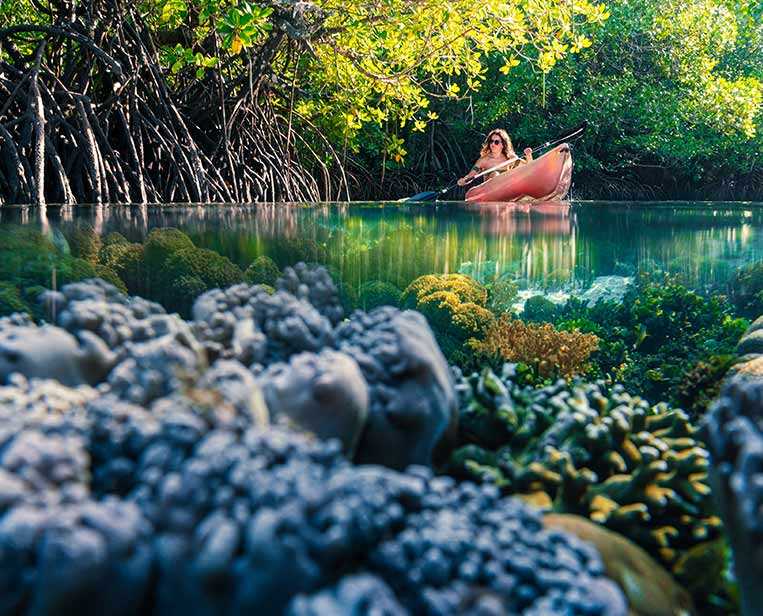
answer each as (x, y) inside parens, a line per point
(574, 353)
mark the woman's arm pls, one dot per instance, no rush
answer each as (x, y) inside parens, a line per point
(472, 172)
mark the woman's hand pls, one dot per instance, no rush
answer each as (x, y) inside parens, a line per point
(528, 153)
(462, 181)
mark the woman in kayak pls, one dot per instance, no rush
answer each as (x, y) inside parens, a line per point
(496, 149)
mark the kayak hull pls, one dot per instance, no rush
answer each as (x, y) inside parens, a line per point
(546, 178)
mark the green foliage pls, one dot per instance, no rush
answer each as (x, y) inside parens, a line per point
(372, 69)
(263, 270)
(673, 92)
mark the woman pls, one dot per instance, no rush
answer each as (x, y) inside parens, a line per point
(496, 149)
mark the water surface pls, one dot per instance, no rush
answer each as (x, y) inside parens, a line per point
(548, 246)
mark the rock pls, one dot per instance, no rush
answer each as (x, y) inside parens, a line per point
(750, 368)
(751, 342)
(649, 589)
(607, 289)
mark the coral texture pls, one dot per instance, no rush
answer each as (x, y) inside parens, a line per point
(412, 400)
(170, 512)
(735, 440)
(549, 351)
(455, 307)
(594, 451)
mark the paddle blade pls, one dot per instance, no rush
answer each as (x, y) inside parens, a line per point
(429, 195)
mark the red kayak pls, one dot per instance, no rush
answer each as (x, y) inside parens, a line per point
(546, 178)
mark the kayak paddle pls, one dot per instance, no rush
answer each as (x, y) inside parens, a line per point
(568, 135)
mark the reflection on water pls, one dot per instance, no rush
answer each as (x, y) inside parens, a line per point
(544, 245)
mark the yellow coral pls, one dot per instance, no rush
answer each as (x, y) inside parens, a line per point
(542, 346)
(465, 289)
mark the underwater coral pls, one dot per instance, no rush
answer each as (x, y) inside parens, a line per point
(455, 307)
(593, 450)
(164, 490)
(550, 352)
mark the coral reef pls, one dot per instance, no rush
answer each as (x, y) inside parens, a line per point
(313, 283)
(746, 290)
(375, 293)
(52, 352)
(324, 394)
(173, 511)
(412, 400)
(455, 307)
(735, 440)
(594, 451)
(85, 244)
(648, 588)
(548, 351)
(262, 270)
(540, 309)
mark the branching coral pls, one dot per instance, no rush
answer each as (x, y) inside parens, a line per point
(455, 306)
(597, 452)
(549, 351)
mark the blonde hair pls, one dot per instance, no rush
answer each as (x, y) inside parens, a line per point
(507, 149)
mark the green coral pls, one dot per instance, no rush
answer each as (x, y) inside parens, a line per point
(746, 290)
(110, 276)
(455, 306)
(11, 301)
(263, 270)
(502, 295)
(85, 244)
(127, 261)
(376, 293)
(593, 451)
(161, 244)
(539, 309)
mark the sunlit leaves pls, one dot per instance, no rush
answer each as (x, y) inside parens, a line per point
(243, 26)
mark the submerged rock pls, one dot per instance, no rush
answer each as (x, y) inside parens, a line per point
(607, 289)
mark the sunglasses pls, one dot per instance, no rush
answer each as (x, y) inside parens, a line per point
(496, 142)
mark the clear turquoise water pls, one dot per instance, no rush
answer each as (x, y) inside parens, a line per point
(548, 247)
